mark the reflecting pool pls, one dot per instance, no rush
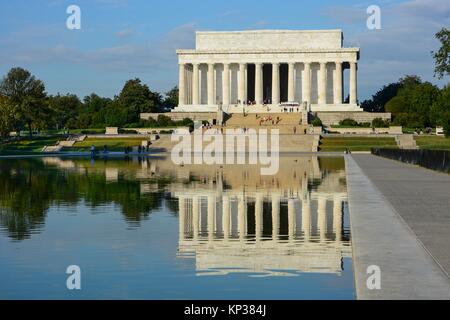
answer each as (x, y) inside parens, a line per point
(144, 228)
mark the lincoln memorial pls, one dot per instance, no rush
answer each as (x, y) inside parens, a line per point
(267, 71)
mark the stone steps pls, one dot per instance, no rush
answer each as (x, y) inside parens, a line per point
(288, 143)
(406, 141)
(254, 119)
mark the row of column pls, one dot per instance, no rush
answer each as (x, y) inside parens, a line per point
(186, 86)
(194, 222)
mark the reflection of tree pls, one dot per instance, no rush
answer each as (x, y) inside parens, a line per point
(25, 194)
(28, 188)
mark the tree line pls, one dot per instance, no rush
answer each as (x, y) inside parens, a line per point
(28, 189)
(412, 102)
(24, 105)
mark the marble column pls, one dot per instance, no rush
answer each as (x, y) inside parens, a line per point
(259, 83)
(195, 81)
(195, 216)
(226, 216)
(182, 217)
(190, 85)
(275, 216)
(275, 83)
(182, 85)
(226, 84)
(211, 216)
(306, 218)
(291, 82)
(353, 82)
(323, 83)
(337, 218)
(242, 215)
(210, 85)
(337, 83)
(292, 224)
(242, 96)
(322, 217)
(306, 82)
(258, 216)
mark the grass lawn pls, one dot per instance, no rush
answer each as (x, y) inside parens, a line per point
(356, 143)
(27, 145)
(113, 144)
(433, 142)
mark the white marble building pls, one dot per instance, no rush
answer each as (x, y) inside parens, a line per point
(267, 70)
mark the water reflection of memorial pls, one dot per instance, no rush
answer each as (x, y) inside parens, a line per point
(281, 225)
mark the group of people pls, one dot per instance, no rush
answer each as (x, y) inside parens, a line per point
(140, 149)
(127, 149)
(267, 120)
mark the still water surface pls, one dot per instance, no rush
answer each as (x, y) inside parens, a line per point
(142, 228)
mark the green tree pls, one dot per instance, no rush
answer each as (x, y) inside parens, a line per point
(396, 105)
(7, 117)
(442, 56)
(171, 99)
(91, 112)
(27, 94)
(135, 98)
(412, 105)
(64, 108)
(378, 101)
(440, 109)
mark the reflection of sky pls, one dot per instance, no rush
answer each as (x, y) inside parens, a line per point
(122, 261)
(119, 262)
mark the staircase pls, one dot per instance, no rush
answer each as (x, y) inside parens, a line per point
(69, 142)
(286, 123)
(406, 141)
(254, 119)
(287, 143)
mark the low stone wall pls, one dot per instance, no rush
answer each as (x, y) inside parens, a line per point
(438, 160)
(66, 143)
(155, 130)
(329, 118)
(111, 130)
(359, 130)
(200, 116)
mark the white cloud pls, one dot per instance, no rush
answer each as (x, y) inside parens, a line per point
(401, 47)
(124, 33)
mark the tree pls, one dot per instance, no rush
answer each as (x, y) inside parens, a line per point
(171, 99)
(136, 98)
(442, 56)
(27, 94)
(378, 101)
(91, 113)
(7, 117)
(63, 108)
(440, 109)
(396, 105)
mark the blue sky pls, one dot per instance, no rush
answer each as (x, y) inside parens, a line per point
(123, 39)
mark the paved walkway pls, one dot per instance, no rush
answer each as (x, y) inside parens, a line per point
(399, 216)
(422, 198)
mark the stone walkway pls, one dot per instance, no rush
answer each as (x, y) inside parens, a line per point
(400, 220)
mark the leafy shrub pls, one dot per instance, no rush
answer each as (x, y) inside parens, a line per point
(348, 122)
(92, 131)
(165, 121)
(446, 127)
(316, 122)
(127, 131)
(380, 123)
